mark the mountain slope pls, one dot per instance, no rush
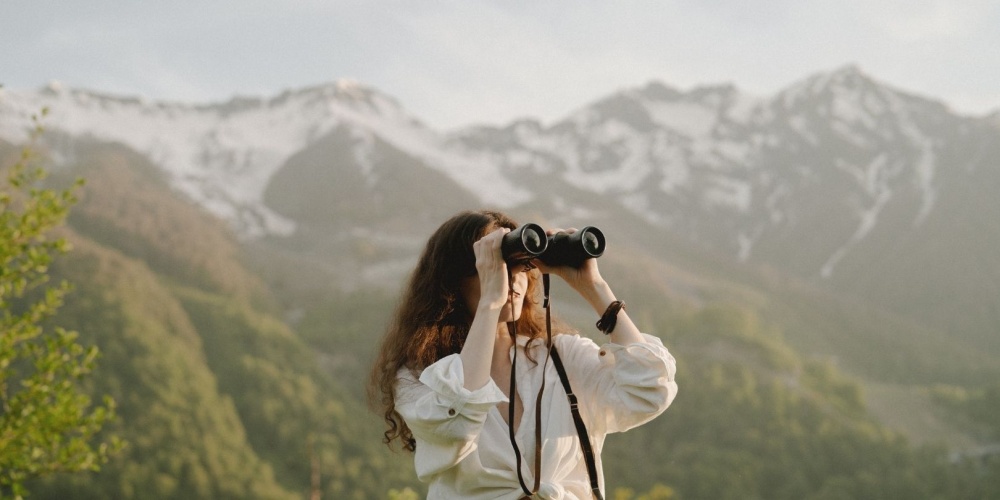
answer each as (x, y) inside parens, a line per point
(779, 427)
(184, 436)
(856, 215)
(221, 396)
(846, 183)
(129, 207)
(217, 398)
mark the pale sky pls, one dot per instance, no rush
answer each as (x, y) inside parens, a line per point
(456, 63)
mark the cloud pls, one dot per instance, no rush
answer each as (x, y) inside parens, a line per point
(453, 62)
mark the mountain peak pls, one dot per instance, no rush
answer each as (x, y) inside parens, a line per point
(344, 90)
(849, 69)
(849, 76)
(349, 85)
(658, 91)
(54, 86)
(847, 82)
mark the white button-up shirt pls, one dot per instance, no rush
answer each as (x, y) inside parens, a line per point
(463, 447)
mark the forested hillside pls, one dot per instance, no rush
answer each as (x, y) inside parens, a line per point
(217, 396)
(233, 382)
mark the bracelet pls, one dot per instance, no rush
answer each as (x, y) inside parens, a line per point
(610, 318)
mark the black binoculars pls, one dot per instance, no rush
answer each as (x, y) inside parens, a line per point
(561, 249)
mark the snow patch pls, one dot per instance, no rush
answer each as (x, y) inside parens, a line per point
(223, 156)
(850, 107)
(745, 241)
(743, 108)
(924, 167)
(775, 214)
(638, 203)
(868, 219)
(687, 119)
(728, 192)
(849, 133)
(364, 142)
(801, 126)
(672, 165)
(875, 180)
(869, 178)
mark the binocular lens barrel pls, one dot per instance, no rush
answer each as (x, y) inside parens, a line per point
(561, 249)
(572, 249)
(524, 243)
(593, 244)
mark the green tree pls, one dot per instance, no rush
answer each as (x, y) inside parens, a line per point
(47, 422)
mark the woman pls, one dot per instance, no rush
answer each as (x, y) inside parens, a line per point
(442, 378)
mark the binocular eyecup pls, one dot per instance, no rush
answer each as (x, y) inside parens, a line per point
(561, 249)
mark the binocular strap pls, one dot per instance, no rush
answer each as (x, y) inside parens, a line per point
(512, 329)
(581, 428)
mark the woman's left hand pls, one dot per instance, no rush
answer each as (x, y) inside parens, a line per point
(587, 281)
(579, 278)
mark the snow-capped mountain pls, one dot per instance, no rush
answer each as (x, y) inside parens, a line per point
(731, 170)
(222, 156)
(839, 178)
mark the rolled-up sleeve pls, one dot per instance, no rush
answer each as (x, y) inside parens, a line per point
(621, 386)
(445, 417)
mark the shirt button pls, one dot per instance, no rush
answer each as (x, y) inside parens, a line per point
(451, 412)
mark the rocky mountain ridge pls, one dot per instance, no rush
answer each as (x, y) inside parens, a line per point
(838, 179)
(713, 163)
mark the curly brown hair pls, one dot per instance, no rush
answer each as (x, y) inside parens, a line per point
(432, 319)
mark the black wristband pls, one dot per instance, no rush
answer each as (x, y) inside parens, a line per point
(610, 318)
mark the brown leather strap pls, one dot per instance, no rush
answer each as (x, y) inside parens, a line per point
(538, 432)
(581, 428)
(512, 329)
(610, 317)
(510, 425)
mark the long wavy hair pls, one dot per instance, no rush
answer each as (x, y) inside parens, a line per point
(432, 319)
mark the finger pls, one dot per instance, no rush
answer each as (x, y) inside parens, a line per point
(488, 248)
(489, 240)
(496, 238)
(542, 268)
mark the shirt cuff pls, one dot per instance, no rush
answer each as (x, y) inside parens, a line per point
(446, 378)
(642, 356)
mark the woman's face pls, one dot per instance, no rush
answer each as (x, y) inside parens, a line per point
(512, 310)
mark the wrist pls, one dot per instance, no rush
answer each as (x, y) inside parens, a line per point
(609, 319)
(598, 294)
(490, 307)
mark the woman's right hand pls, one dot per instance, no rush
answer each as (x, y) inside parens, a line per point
(492, 270)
